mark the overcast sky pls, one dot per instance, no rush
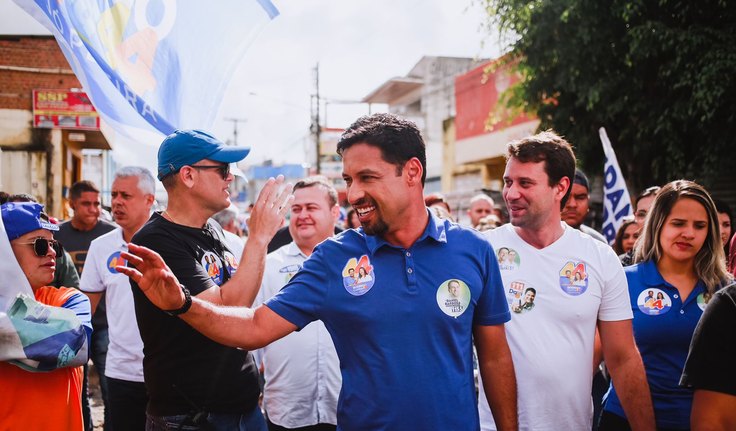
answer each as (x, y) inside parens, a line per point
(359, 44)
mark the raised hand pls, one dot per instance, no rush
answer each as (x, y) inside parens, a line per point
(269, 210)
(153, 276)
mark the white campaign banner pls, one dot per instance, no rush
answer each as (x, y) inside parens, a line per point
(616, 199)
(151, 67)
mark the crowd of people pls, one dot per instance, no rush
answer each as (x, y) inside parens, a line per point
(375, 318)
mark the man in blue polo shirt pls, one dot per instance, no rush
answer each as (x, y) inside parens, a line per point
(403, 337)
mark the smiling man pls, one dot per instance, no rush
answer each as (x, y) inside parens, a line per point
(301, 370)
(553, 341)
(405, 346)
(193, 382)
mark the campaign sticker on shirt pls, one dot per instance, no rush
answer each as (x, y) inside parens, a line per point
(358, 276)
(453, 297)
(213, 266)
(289, 271)
(508, 259)
(654, 302)
(574, 278)
(701, 301)
(232, 262)
(521, 296)
(113, 261)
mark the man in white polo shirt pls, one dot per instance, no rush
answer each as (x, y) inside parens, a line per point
(132, 197)
(578, 284)
(301, 370)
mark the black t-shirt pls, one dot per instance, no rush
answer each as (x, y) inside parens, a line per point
(76, 243)
(183, 369)
(712, 354)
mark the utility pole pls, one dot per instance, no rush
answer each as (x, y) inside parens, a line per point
(316, 128)
(235, 128)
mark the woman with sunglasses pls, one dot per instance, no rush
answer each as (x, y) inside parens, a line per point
(680, 259)
(41, 389)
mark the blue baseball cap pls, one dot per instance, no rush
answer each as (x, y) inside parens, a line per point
(20, 218)
(186, 147)
(581, 178)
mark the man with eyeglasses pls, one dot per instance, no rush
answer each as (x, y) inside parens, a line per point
(52, 329)
(76, 235)
(193, 382)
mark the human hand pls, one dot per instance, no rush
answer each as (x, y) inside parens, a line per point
(269, 209)
(153, 276)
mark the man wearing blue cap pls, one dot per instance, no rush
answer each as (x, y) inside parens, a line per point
(51, 333)
(191, 380)
(403, 331)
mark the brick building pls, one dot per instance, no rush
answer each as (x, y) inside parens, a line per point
(43, 161)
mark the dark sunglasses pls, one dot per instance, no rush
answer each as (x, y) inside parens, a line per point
(224, 170)
(41, 246)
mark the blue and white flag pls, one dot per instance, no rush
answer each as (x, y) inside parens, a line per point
(616, 199)
(151, 67)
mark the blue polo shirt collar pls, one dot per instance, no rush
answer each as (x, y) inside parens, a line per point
(435, 230)
(651, 275)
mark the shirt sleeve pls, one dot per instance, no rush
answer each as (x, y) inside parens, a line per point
(615, 302)
(180, 258)
(713, 348)
(91, 281)
(492, 308)
(301, 300)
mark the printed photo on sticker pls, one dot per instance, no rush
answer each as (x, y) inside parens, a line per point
(358, 276)
(508, 259)
(453, 297)
(574, 278)
(654, 302)
(213, 266)
(232, 262)
(289, 271)
(701, 301)
(115, 260)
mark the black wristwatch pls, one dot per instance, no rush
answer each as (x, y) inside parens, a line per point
(187, 303)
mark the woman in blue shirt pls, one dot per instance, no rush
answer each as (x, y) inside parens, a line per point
(679, 259)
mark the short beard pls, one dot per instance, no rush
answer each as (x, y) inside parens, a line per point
(378, 228)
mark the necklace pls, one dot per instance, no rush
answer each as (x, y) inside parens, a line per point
(168, 215)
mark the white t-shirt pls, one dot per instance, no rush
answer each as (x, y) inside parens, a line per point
(574, 282)
(301, 370)
(235, 244)
(125, 352)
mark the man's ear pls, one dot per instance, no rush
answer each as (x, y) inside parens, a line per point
(186, 176)
(562, 186)
(413, 171)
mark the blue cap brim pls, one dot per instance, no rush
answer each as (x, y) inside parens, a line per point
(229, 154)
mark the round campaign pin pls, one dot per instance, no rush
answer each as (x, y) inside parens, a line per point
(654, 302)
(213, 266)
(358, 276)
(574, 278)
(113, 261)
(508, 259)
(701, 301)
(521, 296)
(453, 297)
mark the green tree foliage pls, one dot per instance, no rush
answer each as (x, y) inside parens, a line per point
(659, 75)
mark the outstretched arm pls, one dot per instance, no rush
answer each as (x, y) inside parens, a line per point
(232, 326)
(497, 373)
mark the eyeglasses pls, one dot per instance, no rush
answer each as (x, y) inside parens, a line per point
(41, 246)
(224, 170)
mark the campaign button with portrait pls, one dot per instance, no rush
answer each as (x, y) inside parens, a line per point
(453, 297)
(654, 302)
